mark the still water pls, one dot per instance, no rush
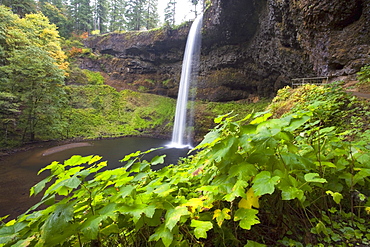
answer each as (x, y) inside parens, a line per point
(18, 172)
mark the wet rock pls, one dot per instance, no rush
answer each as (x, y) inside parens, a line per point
(249, 47)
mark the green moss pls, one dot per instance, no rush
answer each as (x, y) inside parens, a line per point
(101, 111)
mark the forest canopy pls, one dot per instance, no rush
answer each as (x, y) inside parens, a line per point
(78, 16)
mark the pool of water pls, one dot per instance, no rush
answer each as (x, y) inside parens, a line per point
(19, 171)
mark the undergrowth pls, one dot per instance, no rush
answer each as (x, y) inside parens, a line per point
(101, 111)
(297, 180)
(333, 106)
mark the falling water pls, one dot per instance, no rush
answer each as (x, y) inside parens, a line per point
(181, 134)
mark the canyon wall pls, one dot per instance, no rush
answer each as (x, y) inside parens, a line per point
(250, 48)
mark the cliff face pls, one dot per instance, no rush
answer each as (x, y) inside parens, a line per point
(250, 48)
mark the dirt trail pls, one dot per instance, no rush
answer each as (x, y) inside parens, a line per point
(361, 95)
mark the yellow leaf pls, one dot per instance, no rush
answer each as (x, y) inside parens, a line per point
(193, 204)
(220, 216)
(367, 210)
(251, 201)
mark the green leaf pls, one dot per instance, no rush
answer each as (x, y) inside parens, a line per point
(77, 160)
(11, 231)
(126, 191)
(55, 167)
(251, 243)
(63, 186)
(157, 160)
(57, 227)
(149, 210)
(108, 230)
(163, 233)
(325, 163)
(314, 178)
(290, 192)
(137, 210)
(173, 216)
(210, 139)
(164, 190)
(39, 186)
(337, 197)
(321, 228)
(263, 183)
(247, 217)
(25, 242)
(90, 227)
(201, 228)
(238, 190)
(129, 156)
(363, 173)
(297, 122)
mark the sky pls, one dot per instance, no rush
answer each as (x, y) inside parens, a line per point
(183, 8)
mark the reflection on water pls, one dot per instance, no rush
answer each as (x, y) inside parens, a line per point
(19, 171)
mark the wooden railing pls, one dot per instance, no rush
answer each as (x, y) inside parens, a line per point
(311, 80)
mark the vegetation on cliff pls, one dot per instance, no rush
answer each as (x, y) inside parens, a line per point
(298, 180)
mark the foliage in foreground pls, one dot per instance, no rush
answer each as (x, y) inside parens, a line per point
(257, 180)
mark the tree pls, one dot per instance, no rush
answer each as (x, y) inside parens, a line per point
(9, 111)
(101, 9)
(40, 93)
(58, 16)
(117, 20)
(169, 13)
(32, 71)
(151, 14)
(81, 15)
(135, 14)
(195, 4)
(20, 7)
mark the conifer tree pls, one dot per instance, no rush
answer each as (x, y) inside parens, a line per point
(170, 12)
(101, 9)
(135, 14)
(20, 7)
(81, 14)
(117, 20)
(151, 14)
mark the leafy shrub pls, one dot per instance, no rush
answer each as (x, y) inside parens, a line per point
(252, 180)
(333, 106)
(93, 78)
(364, 78)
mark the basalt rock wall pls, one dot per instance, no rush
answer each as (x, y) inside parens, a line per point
(250, 48)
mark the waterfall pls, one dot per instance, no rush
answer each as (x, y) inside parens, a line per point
(181, 135)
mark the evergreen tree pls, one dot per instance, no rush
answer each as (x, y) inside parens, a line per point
(81, 15)
(196, 3)
(101, 9)
(58, 16)
(20, 7)
(169, 13)
(151, 14)
(117, 15)
(135, 14)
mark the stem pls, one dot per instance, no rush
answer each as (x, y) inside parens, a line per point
(351, 187)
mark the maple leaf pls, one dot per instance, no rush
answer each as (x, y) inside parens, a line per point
(251, 201)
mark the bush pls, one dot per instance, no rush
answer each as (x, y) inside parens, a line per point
(93, 78)
(364, 78)
(333, 106)
(265, 181)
